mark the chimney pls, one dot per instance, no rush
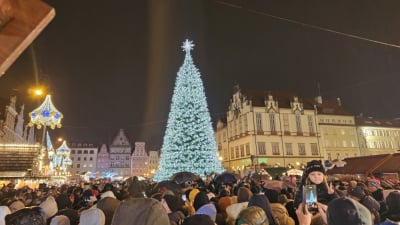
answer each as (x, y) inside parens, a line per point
(339, 101)
(318, 99)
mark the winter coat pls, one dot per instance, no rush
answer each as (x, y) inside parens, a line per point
(140, 211)
(108, 204)
(281, 214)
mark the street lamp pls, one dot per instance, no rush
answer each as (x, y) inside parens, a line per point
(43, 116)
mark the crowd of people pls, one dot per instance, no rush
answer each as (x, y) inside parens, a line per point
(314, 200)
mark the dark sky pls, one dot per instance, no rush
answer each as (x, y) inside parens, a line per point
(113, 64)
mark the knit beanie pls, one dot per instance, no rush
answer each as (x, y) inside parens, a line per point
(315, 165)
(348, 211)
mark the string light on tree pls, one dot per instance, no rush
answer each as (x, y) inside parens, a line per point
(189, 143)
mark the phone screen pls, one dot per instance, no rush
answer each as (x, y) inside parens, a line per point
(310, 197)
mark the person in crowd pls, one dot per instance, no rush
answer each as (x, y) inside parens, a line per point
(232, 211)
(377, 192)
(315, 175)
(252, 215)
(49, 206)
(62, 199)
(27, 216)
(340, 211)
(108, 203)
(368, 201)
(392, 216)
(225, 200)
(138, 209)
(262, 201)
(174, 207)
(279, 211)
(92, 216)
(4, 211)
(202, 205)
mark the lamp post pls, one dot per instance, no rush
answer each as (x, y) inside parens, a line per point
(43, 116)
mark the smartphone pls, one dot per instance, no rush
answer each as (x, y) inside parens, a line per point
(310, 198)
(184, 198)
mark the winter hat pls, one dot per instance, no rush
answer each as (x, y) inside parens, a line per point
(92, 216)
(262, 202)
(358, 192)
(49, 206)
(198, 219)
(373, 184)
(348, 211)
(315, 165)
(4, 211)
(393, 202)
(209, 210)
(244, 194)
(200, 200)
(60, 220)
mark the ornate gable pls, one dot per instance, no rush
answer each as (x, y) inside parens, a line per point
(270, 104)
(296, 105)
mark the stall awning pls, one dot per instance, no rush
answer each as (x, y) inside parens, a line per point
(361, 165)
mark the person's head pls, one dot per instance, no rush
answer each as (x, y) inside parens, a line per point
(136, 188)
(347, 211)
(315, 172)
(357, 193)
(252, 215)
(27, 216)
(372, 186)
(198, 219)
(393, 202)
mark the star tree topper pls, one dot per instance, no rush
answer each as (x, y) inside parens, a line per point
(187, 46)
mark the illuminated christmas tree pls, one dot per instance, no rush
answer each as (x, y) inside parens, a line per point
(189, 143)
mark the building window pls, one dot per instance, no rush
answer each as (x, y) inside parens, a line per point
(259, 122)
(232, 153)
(242, 150)
(237, 151)
(240, 125)
(79, 151)
(79, 158)
(302, 149)
(84, 158)
(314, 149)
(91, 159)
(78, 165)
(289, 148)
(72, 151)
(246, 128)
(247, 149)
(261, 148)
(91, 152)
(272, 121)
(275, 148)
(85, 151)
(298, 123)
(285, 122)
(310, 124)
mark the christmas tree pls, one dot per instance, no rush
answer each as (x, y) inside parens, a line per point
(189, 143)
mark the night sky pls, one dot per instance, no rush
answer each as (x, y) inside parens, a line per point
(113, 64)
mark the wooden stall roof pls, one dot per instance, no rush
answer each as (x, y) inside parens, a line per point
(360, 165)
(390, 165)
(29, 18)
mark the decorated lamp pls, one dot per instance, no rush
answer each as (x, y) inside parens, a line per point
(46, 115)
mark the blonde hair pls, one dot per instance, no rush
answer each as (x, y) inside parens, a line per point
(252, 215)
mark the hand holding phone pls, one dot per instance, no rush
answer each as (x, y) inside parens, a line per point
(310, 198)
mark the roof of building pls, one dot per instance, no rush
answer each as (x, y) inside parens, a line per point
(375, 122)
(285, 98)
